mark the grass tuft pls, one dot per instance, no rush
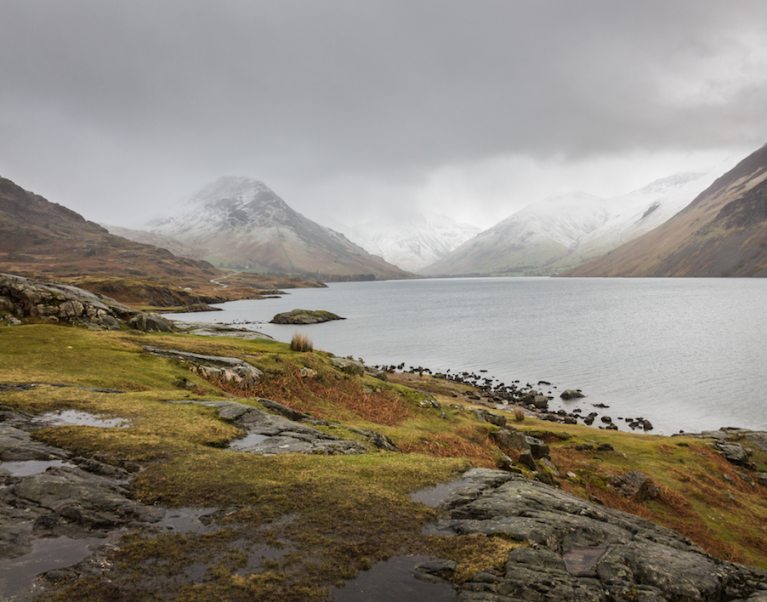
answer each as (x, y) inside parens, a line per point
(301, 342)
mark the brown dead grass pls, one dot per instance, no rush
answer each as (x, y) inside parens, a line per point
(331, 397)
(710, 489)
(466, 442)
(301, 342)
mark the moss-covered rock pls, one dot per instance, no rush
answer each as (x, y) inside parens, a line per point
(305, 316)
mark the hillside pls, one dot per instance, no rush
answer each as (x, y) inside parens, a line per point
(560, 232)
(240, 223)
(722, 232)
(41, 237)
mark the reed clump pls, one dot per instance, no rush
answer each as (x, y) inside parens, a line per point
(300, 342)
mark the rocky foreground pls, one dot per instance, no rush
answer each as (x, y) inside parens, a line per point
(579, 550)
(222, 465)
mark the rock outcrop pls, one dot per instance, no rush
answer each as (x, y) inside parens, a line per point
(574, 550)
(228, 370)
(271, 434)
(27, 299)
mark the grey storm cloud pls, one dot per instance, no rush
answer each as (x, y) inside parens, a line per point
(130, 103)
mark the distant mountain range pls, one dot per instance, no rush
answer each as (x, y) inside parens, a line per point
(240, 223)
(562, 232)
(722, 232)
(414, 241)
(43, 238)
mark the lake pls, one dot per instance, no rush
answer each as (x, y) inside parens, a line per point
(685, 353)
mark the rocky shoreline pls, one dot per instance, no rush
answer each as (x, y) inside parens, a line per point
(536, 398)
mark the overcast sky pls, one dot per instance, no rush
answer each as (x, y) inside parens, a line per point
(359, 108)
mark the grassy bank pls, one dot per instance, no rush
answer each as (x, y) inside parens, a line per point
(329, 516)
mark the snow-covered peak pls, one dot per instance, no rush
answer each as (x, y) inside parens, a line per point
(410, 241)
(561, 219)
(565, 230)
(230, 203)
(232, 188)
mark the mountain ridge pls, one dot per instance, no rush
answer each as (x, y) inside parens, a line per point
(721, 232)
(560, 232)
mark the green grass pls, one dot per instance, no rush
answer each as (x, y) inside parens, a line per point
(333, 515)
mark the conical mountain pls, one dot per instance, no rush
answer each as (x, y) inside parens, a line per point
(241, 223)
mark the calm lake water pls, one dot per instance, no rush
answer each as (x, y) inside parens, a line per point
(685, 353)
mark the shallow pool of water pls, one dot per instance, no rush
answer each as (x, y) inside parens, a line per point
(18, 574)
(79, 418)
(26, 468)
(393, 580)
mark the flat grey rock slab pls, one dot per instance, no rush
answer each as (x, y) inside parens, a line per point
(270, 434)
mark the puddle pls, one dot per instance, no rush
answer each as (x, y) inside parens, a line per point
(393, 581)
(80, 418)
(581, 561)
(260, 554)
(188, 520)
(248, 441)
(26, 468)
(18, 574)
(437, 495)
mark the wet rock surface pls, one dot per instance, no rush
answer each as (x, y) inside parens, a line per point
(55, 508)
(270, 434)
(574, 550)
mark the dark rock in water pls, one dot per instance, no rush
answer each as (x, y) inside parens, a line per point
(571, 394)
(574, 550)
(305, 316)
(637, 486)
(541, 402)
(149, 322)
(600, 405)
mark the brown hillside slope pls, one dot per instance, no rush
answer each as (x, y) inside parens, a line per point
(49, 239)
(723, 232)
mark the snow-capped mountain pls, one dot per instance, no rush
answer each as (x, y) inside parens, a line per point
(241, 223)
(564, 231)
(416, 241)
